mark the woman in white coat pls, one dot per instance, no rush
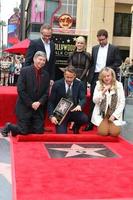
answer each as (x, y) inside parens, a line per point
(109, 99)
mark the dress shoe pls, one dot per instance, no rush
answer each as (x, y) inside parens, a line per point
(89, 127)
(6, 129)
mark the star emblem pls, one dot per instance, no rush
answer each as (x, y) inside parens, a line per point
(74, 39)
(77, 150)
(62, 107)
(68, 40)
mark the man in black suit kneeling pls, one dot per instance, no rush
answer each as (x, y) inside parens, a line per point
(33, 87)
(76, 95)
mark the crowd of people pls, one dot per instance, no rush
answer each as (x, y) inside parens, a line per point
(10, 67)
(37, 90)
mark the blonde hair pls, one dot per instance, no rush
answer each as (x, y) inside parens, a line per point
(81, 39)
(107, 69)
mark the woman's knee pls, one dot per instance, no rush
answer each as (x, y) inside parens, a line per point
(103, 128)
(114, 130)
(115, 133)
(103, 131)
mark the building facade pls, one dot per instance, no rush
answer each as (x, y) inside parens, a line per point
(76, 17)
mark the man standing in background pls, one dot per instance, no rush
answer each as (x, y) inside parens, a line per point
(46, 45)
(103, 55)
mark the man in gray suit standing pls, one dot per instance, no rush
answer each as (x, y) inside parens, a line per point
(103, 55)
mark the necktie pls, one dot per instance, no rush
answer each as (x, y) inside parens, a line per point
(69, 91)
(38, 77)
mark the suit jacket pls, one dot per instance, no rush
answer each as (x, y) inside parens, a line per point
(28, 92)
(113, 59)
(58, 91)
(37, 45)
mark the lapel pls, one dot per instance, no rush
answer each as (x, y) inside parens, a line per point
(41, 44)
(63, 87)
(108, 54)
(96, 52)
(51, 49)
(74, 89)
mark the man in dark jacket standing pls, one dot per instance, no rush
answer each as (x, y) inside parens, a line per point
(103, 55)
(46, 45)
(32, 87)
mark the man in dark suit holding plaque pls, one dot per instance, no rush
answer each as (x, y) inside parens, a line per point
(72, 89)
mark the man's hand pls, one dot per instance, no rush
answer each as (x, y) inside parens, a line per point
(77, 108)
(54, 120)
(36, 105)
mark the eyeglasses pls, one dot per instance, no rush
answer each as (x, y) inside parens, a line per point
(101, 39)
(47, 36)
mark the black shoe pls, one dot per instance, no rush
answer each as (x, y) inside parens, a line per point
(75, 129)
(6, 129)
(89, 127)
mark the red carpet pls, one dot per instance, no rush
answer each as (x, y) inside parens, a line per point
(37, 176)
(8, 96)
(82, 137)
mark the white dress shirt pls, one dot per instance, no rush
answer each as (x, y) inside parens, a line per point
(101, 58)
(47, 48)
(67, 86)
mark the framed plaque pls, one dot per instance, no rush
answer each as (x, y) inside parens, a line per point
(62, 108)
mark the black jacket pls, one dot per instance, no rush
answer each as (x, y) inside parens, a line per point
(28, 92)
(113, 59)
(58, 91)
(37, 45)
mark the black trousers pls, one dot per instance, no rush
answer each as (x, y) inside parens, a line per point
(32, 124)
(79, 118)
(91, 107)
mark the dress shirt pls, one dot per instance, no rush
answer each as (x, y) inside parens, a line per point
(47, 48)
(101, 58)
(68, 86)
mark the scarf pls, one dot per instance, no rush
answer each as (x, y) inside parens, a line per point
(111, 107)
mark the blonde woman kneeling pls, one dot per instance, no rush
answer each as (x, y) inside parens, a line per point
(109, 102)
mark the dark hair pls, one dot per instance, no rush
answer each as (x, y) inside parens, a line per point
(45, 26)
(102, 32)
(70, 69)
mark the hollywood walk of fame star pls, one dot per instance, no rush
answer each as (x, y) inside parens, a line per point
(77, 150)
